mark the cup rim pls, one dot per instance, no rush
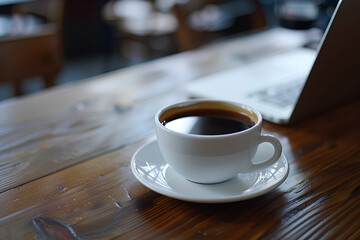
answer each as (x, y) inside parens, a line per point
(189, 102)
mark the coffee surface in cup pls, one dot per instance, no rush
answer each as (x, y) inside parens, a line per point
(208, 122)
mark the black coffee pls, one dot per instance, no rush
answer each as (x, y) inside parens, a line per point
(205, 122)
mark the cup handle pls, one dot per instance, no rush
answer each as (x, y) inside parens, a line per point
(277, 153)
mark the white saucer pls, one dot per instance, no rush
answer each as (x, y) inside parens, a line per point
(150, 169)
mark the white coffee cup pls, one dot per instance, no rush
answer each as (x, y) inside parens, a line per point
(213, 158)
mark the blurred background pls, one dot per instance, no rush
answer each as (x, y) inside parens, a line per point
(44, 43)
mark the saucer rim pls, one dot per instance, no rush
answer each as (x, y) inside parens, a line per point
(225, 199)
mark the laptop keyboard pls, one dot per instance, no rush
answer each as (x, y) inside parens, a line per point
(283, 95)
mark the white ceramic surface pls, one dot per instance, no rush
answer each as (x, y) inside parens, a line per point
(150, 169)
(213, 158)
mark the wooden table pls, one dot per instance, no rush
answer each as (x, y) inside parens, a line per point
(65, 174)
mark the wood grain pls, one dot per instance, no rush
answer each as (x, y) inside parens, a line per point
(32, 148)
(101, 199)
(65, 154)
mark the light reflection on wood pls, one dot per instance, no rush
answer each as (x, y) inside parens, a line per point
(71, 138)
(65, 154)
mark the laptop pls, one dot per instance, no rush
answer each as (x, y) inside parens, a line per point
(289, 86)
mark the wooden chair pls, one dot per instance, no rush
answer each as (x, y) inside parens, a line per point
(248, 12)
(37, 51)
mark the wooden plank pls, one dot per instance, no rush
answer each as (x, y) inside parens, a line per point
(99, 187)
(49, 145)
(101, 199)
(51, 131)
(65, 154)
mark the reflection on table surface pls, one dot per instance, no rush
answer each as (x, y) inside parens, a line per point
(65, 162)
